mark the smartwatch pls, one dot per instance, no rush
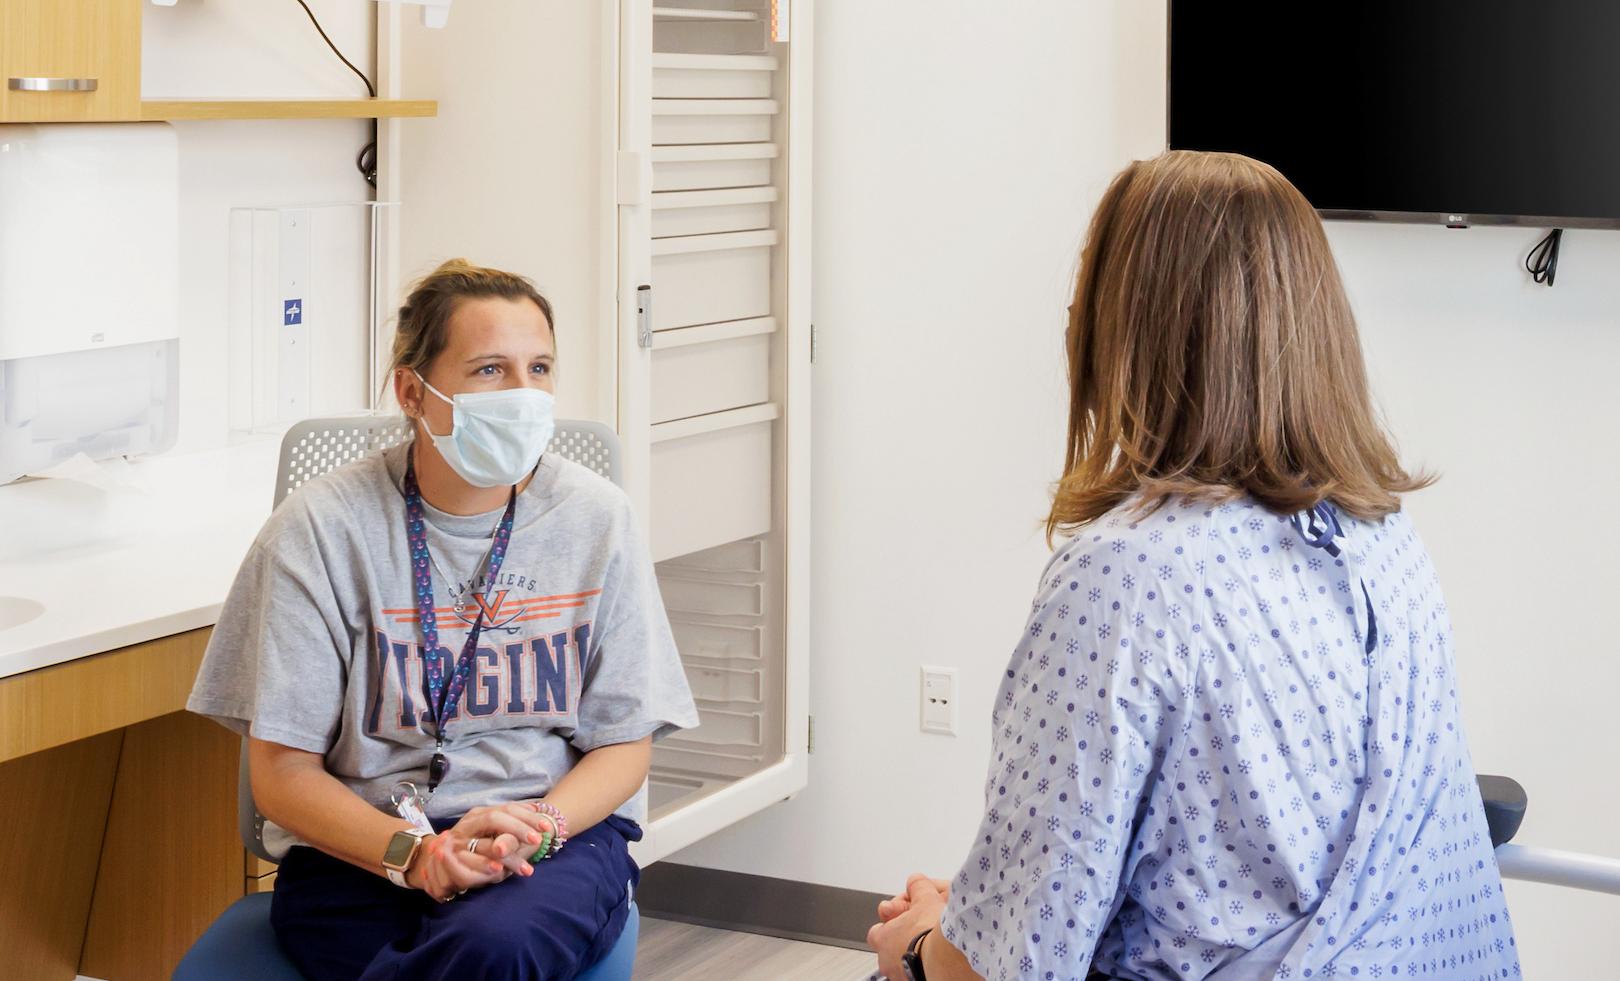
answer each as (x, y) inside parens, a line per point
(912, 960)
(401, 852)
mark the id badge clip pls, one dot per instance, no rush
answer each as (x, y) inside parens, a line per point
(409, 804)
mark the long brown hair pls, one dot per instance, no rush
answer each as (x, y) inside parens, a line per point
(1212, 352)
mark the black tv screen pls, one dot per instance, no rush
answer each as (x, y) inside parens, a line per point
(1458, 111)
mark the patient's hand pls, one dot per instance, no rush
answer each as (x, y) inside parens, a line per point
(895, 906)
(903, 917)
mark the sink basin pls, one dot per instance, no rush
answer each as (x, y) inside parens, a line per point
(18, 610)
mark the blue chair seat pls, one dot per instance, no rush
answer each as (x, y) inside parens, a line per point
(242, 946)
(621, 960)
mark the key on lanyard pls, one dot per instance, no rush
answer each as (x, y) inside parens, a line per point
(408, 803)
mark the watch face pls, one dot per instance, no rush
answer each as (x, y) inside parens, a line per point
(399, 850)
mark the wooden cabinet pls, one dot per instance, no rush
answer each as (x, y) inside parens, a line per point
(120, 809)
(70, 60)
(79, 61)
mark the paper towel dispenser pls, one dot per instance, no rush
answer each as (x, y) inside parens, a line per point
(89, 292)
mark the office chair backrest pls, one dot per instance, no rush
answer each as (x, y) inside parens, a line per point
(315, 446)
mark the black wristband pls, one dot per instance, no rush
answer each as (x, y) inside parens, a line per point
(912, 960)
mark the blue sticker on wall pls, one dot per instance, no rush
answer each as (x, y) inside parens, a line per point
(292, 312)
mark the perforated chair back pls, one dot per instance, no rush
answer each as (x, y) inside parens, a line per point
(317, 446)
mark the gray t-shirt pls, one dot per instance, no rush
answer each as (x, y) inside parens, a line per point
(319, 648)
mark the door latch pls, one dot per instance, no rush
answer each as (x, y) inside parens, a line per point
(644, 330)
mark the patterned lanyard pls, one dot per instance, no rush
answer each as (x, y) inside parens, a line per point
(1319, 529)
(442, 697)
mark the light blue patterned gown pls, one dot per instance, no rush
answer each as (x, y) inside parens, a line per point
(1206, 765)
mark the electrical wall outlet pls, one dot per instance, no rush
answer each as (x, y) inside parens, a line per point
(939, 700)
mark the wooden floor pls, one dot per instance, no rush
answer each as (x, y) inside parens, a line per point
(681, 952)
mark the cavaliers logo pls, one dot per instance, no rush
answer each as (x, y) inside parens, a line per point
(500, 611)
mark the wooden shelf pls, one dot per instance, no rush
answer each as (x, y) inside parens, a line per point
(171, 109)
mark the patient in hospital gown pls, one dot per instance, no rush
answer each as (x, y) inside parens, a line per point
(1229, 746)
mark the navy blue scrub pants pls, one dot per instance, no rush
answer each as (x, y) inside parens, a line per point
(338, 921)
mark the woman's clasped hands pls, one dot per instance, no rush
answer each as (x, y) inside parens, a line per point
(487, 845)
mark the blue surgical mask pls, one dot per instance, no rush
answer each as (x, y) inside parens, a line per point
(496, 438)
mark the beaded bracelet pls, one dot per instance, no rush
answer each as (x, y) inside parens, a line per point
(550, 843)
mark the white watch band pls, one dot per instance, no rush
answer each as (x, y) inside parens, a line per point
(397, 876)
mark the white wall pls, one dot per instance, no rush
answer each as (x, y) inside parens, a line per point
(247, 48)
(555, 218)
(956, 163)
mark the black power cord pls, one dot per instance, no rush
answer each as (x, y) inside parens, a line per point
(1542, 262)
(366, 162)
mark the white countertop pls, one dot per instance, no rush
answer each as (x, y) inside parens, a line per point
(133, 552)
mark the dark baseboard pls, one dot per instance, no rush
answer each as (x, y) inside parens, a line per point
(757, 904)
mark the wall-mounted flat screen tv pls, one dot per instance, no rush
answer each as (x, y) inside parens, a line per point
(1453, 111)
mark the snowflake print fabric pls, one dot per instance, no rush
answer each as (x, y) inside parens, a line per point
(1206, 765)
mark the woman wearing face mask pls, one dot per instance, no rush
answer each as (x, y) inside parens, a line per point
(1228, 744)
(451, 659)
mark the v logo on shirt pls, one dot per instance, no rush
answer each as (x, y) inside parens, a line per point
(491, 611)
(500, 612)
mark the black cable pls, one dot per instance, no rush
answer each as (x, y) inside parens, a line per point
(366, 162)
(362, 75)
(1542, 262)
